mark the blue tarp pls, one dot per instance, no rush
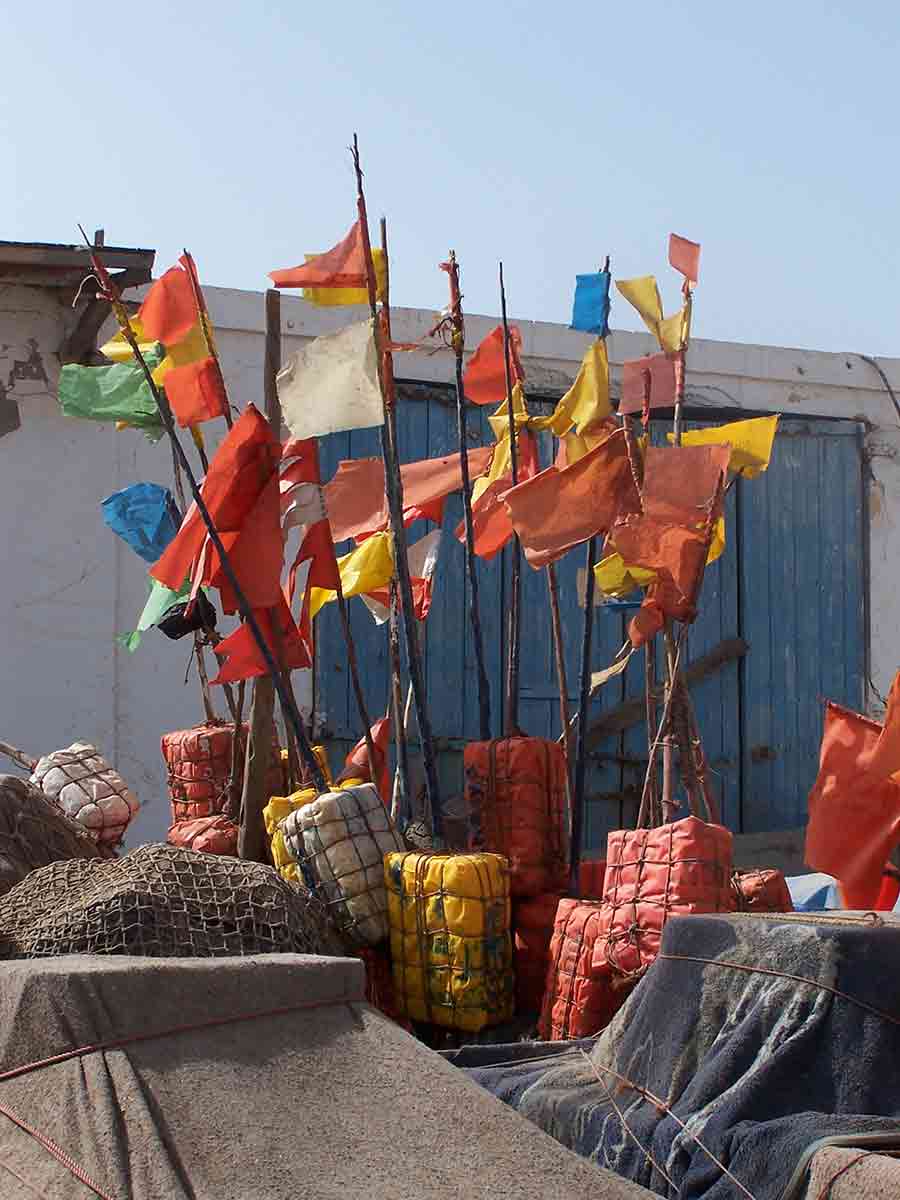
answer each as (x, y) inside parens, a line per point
(590, 310)
(145, 516)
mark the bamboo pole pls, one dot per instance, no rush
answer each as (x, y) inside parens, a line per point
(583, 703)
(394, 489)
(401, 801)
(458, 342)
(511, 722)
(112, 293)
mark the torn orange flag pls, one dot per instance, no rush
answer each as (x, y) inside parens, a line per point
(854, 811)
(196, 393)
(484, 381)
(557, 510)
(884, 759)
(684, 256)
(682, 487)
(357, 506)
(490, 518)
(241, 492)
(169, 310)
(651, 382)
(344, 266)
(239, 654)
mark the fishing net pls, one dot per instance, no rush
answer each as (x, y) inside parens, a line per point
(162, 901)
(33, 832)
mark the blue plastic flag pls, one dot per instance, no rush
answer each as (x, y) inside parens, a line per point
(590, 312)
(145, 516)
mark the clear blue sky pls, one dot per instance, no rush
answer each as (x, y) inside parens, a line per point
(545, 134)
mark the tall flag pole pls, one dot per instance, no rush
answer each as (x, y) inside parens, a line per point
(111, 293)
(458, 342)
(394, 488)
(584, 694)
(511, 722)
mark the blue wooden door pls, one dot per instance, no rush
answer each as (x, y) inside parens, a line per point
(790, 582)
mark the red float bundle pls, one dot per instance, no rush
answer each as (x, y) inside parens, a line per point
(651, 874)
(199, 769)
(515, 793)
(533, 922)
(581, 997)
(208, 835)
(761, 890)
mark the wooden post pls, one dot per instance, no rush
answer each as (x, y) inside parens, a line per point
(458, 342)
(401, 801)
(583, 702)
(393, 484)
(559, 654)
(511, 722)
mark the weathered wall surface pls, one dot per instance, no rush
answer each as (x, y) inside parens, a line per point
(68, 586)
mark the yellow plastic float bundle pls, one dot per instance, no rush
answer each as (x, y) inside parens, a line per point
(451, 949)
(281, 806)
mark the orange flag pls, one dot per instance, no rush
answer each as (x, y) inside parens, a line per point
(241, 492)
(344, 266)
(169, 311)
(684, 256)
(854, 813)
(195, 392)
(357, 506)
(484, 381)
(239, 654)
(884, 759)
(556, 509)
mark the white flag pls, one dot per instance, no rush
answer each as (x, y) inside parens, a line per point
(332, 384)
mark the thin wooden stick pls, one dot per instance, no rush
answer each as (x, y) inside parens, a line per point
(353, 663)
(583, 703)
(559, 654)
(511, 723)
(18, 756)
(112, 293)
(394, 488)
(401, 801)
(458, 342)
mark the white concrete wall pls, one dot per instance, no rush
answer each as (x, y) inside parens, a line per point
(68, 585)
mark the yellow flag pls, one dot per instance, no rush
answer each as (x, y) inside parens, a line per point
(586, 403)
(578, 445)
(328, 297)
(750, 442)
(499, 420)
(368, 567)
(191, 348)
(672, 333)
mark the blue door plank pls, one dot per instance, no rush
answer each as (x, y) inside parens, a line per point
(801, 534)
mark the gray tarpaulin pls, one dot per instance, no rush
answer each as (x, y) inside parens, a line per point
(327, 1101)
(760, 1035)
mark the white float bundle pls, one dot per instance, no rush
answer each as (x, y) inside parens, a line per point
(86, 788)
(341, 838)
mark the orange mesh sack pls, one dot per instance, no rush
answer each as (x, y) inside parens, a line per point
(581, 997)
(762, 889)
(207, 835)
(515, 794)
(680, 868)
(198, 762)
(533, 922)
(591, 872)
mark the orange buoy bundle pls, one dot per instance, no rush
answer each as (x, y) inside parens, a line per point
(533, 922)
(199, 764)
(217, 834)
(515, 794)
(761, 889)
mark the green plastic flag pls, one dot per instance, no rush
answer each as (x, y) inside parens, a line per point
(160, 600)
(118, 392)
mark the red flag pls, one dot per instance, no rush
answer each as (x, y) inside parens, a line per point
(356, 764)
(239, 654)
(169, 310)
(651, 382)
(344, 266)
(854, 814)
(485, 379)
(246, 519)
(555, 510)
(195, 392)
